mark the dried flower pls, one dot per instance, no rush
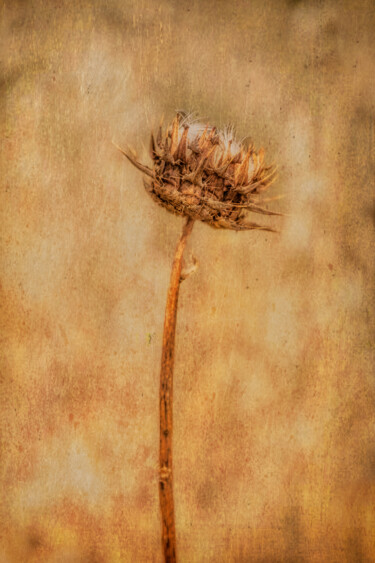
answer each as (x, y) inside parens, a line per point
(205, 174)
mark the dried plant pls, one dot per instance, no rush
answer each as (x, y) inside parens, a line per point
(203, 174)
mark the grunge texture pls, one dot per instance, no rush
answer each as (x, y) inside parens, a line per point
(274, 393)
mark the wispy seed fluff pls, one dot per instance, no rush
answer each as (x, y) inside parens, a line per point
(205, 174)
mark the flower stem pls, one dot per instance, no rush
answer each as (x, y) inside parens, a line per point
(166, 401)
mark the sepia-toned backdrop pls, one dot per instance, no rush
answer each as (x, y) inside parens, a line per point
(274, 390)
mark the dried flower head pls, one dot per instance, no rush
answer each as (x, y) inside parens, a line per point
(205, 174)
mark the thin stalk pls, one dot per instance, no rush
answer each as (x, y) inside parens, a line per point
(166, 402)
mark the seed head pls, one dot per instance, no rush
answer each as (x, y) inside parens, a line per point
(205, 174)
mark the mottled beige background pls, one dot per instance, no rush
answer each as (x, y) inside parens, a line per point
(274, 389)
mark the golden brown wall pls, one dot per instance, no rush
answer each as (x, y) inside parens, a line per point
(274, 390)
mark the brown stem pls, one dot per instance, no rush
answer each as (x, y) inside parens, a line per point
(166, 401)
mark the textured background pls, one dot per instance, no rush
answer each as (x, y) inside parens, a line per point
(274, 395)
